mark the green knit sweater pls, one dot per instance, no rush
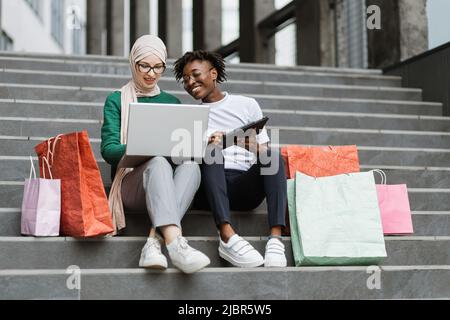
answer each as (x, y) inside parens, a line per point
(111, 148)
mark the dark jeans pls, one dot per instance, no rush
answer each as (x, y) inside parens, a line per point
(224, 190)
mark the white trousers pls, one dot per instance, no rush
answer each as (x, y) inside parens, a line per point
(162, 189)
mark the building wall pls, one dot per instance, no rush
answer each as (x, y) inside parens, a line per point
(33, 33)
(28, 31)
(413, 28)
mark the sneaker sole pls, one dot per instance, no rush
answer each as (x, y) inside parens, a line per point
(251, 264)
(153, 266)
(275, 264)
(194, 268)
(158, 265)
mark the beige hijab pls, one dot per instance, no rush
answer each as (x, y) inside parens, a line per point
(144, 46)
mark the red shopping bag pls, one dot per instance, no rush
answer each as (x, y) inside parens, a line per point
(284, 155)
(84, 206)
(320, 161)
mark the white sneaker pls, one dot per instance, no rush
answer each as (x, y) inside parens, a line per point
(275, 256)
(240, 253)
(186, 258)
(151, 255)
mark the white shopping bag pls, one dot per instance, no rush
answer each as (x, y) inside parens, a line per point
(339, 220)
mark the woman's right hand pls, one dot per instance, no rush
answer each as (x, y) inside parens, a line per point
(216, 138)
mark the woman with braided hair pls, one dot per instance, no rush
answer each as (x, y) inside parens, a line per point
(236, 179)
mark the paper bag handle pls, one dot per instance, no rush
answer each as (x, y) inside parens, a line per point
(45, 161)
(383, 175)
(32, 169)
(52, 153)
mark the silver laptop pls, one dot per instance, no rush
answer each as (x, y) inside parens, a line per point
(177, 131)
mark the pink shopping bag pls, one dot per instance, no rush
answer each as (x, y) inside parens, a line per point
(394, 207)
(41, 205)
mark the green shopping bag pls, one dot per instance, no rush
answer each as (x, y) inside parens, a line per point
(295, 239)
(338, 220)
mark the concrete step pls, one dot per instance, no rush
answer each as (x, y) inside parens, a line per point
(8, 57)
(60, 57)
(270, 86)
(15, 72)
(124, 252)
(308, 103)
(88, 111)
(44, 127)
(255, 223)
(47, 126)
(396, 282)
(94, 110)
(362, 137)
(421, 199)
(18, 169)
(201, 223)
(91, 94)
(298, 118)
(42, 108)
(403, 156)
(20, 146)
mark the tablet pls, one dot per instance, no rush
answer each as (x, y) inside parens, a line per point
(257, 125)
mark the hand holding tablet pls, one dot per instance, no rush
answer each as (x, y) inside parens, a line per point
(256, 125)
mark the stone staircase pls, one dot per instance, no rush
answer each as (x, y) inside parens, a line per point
(44, 95)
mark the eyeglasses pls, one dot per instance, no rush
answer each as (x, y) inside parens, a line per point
(145, 68)
(196, 75)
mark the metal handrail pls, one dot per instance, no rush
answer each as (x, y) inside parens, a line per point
(268, 27)
(277, 20)
(229, 49)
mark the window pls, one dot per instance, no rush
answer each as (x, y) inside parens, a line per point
(36, 6)
(6, 43)
(58, 21)
(286, 46)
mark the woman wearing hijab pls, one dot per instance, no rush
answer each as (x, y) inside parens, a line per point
(158, 186)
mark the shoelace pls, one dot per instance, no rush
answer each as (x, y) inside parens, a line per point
(182, 246)
(153, 244)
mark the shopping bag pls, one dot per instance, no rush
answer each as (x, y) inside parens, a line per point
(394, 207)
(295, 240)
(84, 206)
(338, 220)
(41, 205)
(284, 156)
(320, 161)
